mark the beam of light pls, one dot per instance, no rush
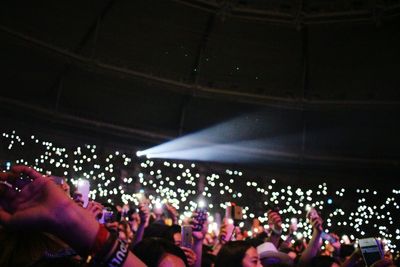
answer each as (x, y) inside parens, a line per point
(246, 127)
(240, 152)
(237, 140)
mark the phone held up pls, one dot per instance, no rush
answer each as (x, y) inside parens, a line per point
(312, 214)
(201, 216)
(186, 233)
(371, 250)
(107, 216)
(234, 212)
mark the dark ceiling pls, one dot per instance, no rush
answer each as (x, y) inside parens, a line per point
(324, 74)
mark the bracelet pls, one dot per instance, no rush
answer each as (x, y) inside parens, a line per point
(101, 239)
(102, 250)
(119, 255)
(108, 250)
(115, 257)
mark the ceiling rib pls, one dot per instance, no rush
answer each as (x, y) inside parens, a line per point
(198, 90)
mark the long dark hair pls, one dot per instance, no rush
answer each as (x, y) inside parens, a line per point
(232, 254)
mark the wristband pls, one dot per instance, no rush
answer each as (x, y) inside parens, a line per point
(100, 257)
(101, 239)
(115, 257)
(108, 250)
(119, 255)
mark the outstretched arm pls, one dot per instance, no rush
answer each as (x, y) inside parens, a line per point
(314, 245)
(198, 237)
(144, 215)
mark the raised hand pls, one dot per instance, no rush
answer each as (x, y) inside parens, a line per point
(190, 255)
(172, 212)
(274, 220)
(316, 224)
(225, 231)
(38, 205)
(95, 208)
(144, 214)
(198, 235)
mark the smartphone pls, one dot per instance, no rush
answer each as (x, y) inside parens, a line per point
(234, 212)
(107, 216)
(83, 187)
(201, 217)
(326, 236)
(293, 223)
(371, 250)
(186, 233)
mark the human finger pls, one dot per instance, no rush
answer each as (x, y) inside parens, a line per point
(317, 223)
(21, 175)
(95, 208)
(190, 254)
(94, 205)
(32, 173)
(185, 249)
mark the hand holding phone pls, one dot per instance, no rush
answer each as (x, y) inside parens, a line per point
(328, 237)
(200, 217)
(275, 220)
(315, 219)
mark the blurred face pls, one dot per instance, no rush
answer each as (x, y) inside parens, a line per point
(170, 260)
(251, 258)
